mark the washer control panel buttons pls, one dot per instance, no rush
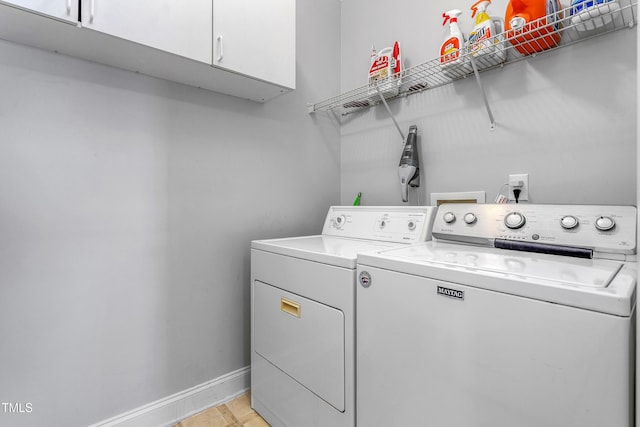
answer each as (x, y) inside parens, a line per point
(470, 218)
(610, 231)
(568, 222)
(605, 223)
(514, 220)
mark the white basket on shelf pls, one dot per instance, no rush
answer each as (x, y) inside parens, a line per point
(587, 15)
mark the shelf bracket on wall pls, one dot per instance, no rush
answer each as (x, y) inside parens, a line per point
(492, 126)
(384, 101)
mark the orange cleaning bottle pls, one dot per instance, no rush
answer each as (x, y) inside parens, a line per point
(532, 25)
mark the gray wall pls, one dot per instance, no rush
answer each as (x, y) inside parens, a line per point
(127, 205)
(567, 118)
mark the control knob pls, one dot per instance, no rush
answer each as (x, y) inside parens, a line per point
(449, 217)
(339, 221)
(605, 223)
(514, 220)
(411, 225)
(568, 222)
(470, 218)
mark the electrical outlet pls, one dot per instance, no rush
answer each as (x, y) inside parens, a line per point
(520, 181)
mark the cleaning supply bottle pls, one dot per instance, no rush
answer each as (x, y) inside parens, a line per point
(452, 59)
(486, 41)
(533, 25)
(385, 71)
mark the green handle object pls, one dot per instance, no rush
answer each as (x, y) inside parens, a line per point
(356, 202)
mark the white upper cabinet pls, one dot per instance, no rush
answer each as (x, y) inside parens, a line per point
(256, 38)
(175, 26)
(66, 10)
(241, 48)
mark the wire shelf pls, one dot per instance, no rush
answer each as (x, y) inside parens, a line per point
(570, 25)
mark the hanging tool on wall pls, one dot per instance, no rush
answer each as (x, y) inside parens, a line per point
(409, 168)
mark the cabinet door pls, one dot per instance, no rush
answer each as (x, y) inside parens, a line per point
(67, 10)
(175, 26)
(256, 38)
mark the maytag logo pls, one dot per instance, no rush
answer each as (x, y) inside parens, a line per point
(451, 293)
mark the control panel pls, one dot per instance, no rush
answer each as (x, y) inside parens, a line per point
(407, 224)
(609, 229)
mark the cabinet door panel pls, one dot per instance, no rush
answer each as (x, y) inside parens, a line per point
(66, 10)
(256, 38)
(175, 26)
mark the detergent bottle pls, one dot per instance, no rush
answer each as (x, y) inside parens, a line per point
(385, 71)
(486, 41)
(532, 25)
(452, 59)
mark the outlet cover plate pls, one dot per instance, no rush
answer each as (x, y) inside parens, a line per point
(524, 191)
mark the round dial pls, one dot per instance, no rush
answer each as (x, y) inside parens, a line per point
(605, 223)
(514, 220)
(569, 221)
(411, 225)
(339, 221)
(470, 218)
(383, 223)
(449, 217)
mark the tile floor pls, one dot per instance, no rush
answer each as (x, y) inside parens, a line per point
(234, 413)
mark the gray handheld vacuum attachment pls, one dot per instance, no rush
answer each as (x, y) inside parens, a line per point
(409, 168)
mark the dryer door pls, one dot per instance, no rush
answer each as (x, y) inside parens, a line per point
(303, 338)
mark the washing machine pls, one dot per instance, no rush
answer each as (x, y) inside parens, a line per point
(303, 313)
(512, 316)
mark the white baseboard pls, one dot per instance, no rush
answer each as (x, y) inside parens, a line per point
(171, 409)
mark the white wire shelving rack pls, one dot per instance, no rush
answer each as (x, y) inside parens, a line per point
(571, 25)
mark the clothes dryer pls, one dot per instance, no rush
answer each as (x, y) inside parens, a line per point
(513, 315)
(303, 313)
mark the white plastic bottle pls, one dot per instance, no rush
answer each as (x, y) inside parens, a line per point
(486, 41)
(452, 59)
(385, 71)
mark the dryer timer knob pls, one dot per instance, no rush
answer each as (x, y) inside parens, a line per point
(339, 221)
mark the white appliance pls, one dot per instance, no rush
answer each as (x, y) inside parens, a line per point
(303, 313)
(458, 332)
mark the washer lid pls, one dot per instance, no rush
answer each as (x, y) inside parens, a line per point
(338, 251)
(595, 284)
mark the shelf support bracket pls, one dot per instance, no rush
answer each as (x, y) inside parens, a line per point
(484, 95)
(384, 101)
